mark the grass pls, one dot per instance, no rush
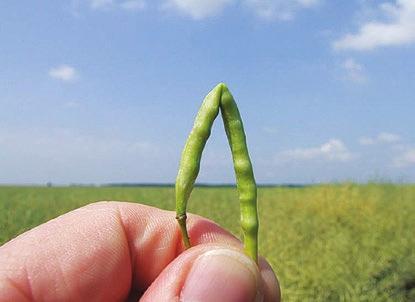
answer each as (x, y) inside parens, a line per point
(341, 242)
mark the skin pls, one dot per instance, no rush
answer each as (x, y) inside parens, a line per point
(118, 251)
(221, 99)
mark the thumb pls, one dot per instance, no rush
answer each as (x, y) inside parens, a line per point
(211, 273)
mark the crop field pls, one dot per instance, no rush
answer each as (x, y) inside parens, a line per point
(342, 242)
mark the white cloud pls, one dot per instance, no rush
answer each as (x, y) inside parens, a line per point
(100, 4)
(355, 71)
(405, 159)
(266, 9)
(333, 150)
(366, 141)
(399, 29)
(283, 10)
(381, 138)
(202, 9)
(385, 137)
(64, 73)
(198, 9)
(133, 5)
(130, 5)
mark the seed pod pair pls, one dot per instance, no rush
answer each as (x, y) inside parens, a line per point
(221, 99)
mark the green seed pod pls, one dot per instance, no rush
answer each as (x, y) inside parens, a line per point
(220, 98)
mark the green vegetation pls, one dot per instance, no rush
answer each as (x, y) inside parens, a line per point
(327, 243)
(220, 98)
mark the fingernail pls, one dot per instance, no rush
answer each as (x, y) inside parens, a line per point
(222, 275)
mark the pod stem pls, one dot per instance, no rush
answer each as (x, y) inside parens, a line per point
(181, 219)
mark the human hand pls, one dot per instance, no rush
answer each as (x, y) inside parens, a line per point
(116, 251)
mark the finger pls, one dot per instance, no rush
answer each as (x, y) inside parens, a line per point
(214, 272)
(98, 252)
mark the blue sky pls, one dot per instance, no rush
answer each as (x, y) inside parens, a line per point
(95, 91)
